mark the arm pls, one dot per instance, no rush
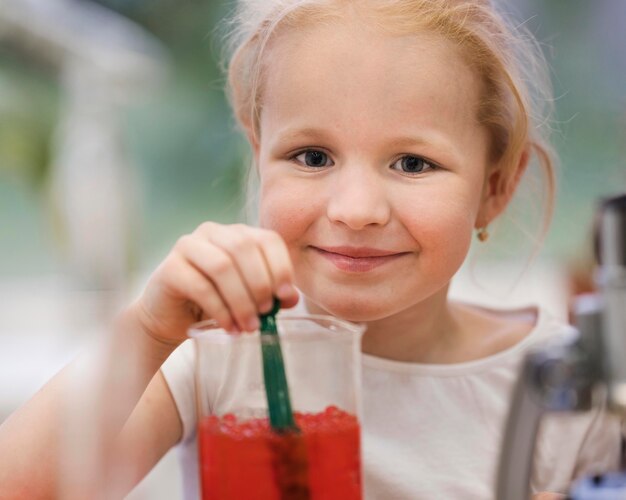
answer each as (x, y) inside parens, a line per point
(151, 430)
(228, 273)
(33, 440)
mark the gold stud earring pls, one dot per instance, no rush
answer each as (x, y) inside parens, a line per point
(482, 234)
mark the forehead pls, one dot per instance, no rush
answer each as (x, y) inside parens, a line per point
(348, 73)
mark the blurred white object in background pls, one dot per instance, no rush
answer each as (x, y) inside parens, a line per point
(105, 65)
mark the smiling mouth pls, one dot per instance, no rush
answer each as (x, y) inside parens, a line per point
(357, 260)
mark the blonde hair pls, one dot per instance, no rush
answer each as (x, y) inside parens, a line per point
(516, 100)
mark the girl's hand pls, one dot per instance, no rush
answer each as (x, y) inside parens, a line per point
(226, 273)
(546, 495)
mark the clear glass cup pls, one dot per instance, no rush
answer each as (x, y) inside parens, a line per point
(240, 456)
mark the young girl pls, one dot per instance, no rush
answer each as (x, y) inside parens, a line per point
(385, 133)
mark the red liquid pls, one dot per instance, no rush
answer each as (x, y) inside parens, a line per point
(244, 460)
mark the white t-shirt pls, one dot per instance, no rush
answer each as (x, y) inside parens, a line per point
(434, 431)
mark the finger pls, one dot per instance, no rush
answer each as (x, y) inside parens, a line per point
(193, 285)
(218, 267)
(278, 261)
(253, 268)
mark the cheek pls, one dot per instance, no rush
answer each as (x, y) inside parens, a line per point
(442, 226)
(285, 208)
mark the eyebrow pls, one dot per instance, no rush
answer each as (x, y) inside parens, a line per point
(312, 132)
(395, 142)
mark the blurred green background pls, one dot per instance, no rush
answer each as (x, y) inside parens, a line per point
(191, 162)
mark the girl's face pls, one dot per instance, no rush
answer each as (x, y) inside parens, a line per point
(372, 165)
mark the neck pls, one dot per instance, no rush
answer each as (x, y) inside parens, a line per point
(427, 332)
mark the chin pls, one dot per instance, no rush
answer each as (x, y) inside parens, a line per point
(355, 310)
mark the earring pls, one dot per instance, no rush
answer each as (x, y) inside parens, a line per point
(482, 234)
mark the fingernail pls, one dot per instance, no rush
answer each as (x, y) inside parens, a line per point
(253, 324)
(266, 306)
(286, 290)
(234, 330)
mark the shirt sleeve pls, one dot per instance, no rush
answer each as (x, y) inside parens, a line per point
(178, 371)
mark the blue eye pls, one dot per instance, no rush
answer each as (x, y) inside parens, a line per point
(313, 158)
(413, 165)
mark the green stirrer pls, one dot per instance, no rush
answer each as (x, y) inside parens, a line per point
(292, 469)
(276, 389)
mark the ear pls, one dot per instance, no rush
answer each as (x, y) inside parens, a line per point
(498, 190)
(243, 117)
(253, 140)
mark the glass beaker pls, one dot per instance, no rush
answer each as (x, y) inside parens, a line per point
(239, 453)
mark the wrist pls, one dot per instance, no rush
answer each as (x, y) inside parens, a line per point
(135, 327)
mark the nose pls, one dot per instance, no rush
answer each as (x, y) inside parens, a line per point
(358, 198)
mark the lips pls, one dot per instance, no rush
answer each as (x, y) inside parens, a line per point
(358, 259)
